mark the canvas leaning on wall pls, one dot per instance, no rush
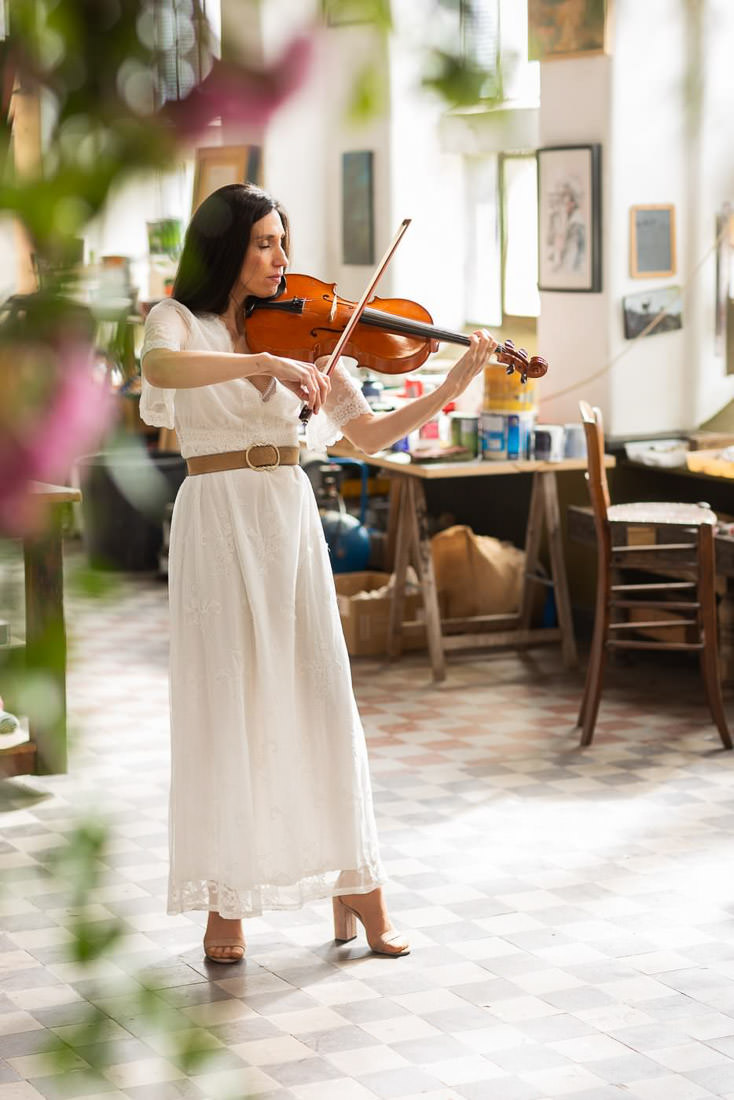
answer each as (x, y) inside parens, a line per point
(566, 28)
(652, 312)
(218, 165)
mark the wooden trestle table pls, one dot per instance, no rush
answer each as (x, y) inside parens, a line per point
(408, 521)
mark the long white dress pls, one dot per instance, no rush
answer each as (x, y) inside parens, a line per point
(270, 803)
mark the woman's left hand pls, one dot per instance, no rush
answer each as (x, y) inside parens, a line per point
(474, 359)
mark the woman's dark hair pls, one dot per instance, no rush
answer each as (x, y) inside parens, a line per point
(215, 244)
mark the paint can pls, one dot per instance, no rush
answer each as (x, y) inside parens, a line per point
(519, 433)
(493, 436)
(468, 427)
(549, 442)
(575, 446)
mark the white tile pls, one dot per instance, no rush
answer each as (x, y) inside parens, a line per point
(309, 1020)
(667, 1088)
(687, 1057)
(45, 1064)
(342, 1088)
(364, 1060)
(218, 1012)
(19, 1090)
(563, 1080)
(464, 1071)
(340, 993)
(43, 997)
(400, 1028)
(272, 1052)
(146, 1071)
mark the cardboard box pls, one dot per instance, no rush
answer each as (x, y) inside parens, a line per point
(365, 620)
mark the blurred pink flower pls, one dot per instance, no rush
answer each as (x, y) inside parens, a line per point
(42, 443)
(240, 94)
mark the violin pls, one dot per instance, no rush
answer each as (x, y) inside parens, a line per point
(393, 335)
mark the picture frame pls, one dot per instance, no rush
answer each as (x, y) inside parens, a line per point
(652, 241)
(640, 309)
(358, 215)
(569, 218)
(218, 165)
(575, 28)
(724, 240)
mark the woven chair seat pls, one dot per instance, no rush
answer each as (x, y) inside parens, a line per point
(661, 511)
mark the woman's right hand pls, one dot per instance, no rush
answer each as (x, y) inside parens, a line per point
(474, 359)
(305, 380)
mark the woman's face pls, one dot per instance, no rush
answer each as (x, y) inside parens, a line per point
(265, 261)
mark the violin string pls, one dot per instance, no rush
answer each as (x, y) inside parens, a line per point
(646, 330)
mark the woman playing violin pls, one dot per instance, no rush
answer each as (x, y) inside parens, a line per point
(271, 805)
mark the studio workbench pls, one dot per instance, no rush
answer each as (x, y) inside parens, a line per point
(408, 521)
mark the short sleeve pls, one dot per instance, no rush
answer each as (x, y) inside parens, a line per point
(344, 403)
(166, 326)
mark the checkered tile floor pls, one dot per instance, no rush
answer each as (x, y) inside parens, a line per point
(571, 912)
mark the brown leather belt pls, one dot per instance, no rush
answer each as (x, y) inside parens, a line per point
(261, 456)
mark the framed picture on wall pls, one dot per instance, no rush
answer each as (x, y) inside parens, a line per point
(358, 217)
(724, 242)
(652, 312)
(218, 165)
(652, 241)
(569, 218)
(568, 29)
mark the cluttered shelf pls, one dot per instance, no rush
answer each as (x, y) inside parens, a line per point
(700, 454)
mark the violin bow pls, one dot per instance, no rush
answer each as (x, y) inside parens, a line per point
(306, 413)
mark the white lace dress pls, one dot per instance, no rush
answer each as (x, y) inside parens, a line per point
(270, 801)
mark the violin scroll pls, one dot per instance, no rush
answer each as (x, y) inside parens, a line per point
(517, 359)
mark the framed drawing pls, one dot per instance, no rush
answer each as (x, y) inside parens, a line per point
(662, 306)
(652, 241)
(218, 165)
(569, 218)
(569, 28)
(358, 219)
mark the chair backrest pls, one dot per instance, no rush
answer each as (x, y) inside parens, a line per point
(597, 473)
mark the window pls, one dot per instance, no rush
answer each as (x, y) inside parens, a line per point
(185, 37)
(484, 288)
(519, 205)
(494, 35)
(480, 42)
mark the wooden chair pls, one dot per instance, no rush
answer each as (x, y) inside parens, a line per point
(668, 539)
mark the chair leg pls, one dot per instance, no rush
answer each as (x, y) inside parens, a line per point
(710, 651)
(597, 657)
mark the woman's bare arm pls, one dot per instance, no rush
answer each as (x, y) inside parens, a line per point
(374, 431)
(178, 370)
(182, 370)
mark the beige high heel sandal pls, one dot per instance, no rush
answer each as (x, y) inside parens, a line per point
(392, 942)
(237, 947)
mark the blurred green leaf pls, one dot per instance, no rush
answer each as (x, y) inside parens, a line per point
(368, 95)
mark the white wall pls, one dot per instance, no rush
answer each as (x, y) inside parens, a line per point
(658, 146)
(655, 148)
(573, 328)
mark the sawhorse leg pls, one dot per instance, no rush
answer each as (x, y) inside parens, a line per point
(413, 542)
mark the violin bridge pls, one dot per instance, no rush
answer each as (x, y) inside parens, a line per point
(332, 315)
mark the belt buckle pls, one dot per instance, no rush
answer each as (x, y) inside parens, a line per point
(262, 465)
